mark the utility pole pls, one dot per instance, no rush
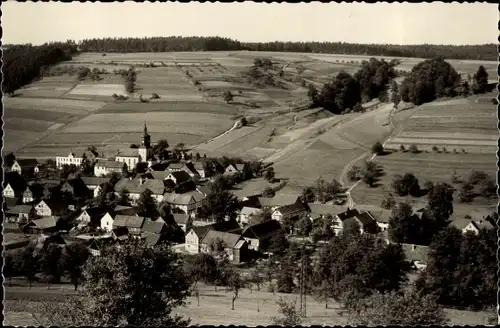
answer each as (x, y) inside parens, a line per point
(305, 285)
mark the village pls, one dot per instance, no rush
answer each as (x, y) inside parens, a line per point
(76, 208)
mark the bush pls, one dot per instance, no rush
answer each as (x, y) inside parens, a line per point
(445, 150)
(155, 96)
(402, 148)
(435, 148)
(406, 185)
(414, 149)
(134, 146)
(378, 149)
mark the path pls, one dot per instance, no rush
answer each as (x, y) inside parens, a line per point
(236, 123)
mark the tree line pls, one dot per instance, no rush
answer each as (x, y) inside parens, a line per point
(22, 64)
(166, 44)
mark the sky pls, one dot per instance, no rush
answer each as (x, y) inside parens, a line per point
(398, 23)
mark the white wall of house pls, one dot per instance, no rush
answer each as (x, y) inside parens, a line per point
(27, 196)
(201, 173)
(253, 243)
(470, 228)
(97, 190)
(277, 216)
(42, 209)
(83, 217)
(8, 192)
(383, 225)
(68, 160)
(192, 243)
(129, 160)
(107, 222)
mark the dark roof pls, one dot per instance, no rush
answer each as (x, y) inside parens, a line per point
(415, 252)
(94, 181)
(126, 210)
(191, 167)
(292, 208)
(365, 218)
(252, 201)
(129, 221)
(30, 162)
(135, 186)
(351, 212)
(201, 231)
(46, 222)
(56, 205)
(159, 167)
(263, 230)
(16, 181)
(229, 239)
(79, 187)
(180, 176)
(10, 202)
(169, 183)
(153, 226)
(227, 226)
(152, 239)
(16, 210)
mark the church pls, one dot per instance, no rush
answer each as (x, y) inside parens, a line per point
(133, 156)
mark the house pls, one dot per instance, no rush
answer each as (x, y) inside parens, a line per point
(154, 227)
(153, 239)
(465, 225)
(15, 240)
(416, 254)
(233, 169)
(92, 216)
(196, 233)
(277, 201)
(246, 213)
(75, 187)
(259, 235)
(199, 168)
(135, 187)
(51, 207)
(292, 211)
(104, 167)
(364, 220)
(33, 192)
(190, 202)
(133, 223)
(203, 189)
(97, 244)
(320, 211)
(44, 225)
(71, 159)
(181, 220)
(234, 244)
(14, 185)
(126, 210)
(25, 167)
(128, 156)
(21, 213)
(181, 181)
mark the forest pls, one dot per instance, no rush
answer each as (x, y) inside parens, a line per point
(165, 44)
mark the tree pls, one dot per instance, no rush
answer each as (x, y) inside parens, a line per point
(312, 93)
(204, 267)
(222, 204)
(304, 226)
(50, 265)
(466, 193)
(288, 312)
(406, 185)
(9, 159)
(354, 173)
(124, 198)
(440, 202)
(393, 308)
(307, 195)
(73, 258)
(377, 148)
(268, 192)
(269, 175)
(404, 227)
(147, 204)
(257, 276)
(388, 202)
(278, 245)
(395, 97)
(414, 149)
(344, 92)
(285, 283)
(480, 80)
(369, 178)
(29, 264)
(228, 96)
(130, 285)
(235, 284)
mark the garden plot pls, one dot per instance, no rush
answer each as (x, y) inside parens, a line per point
(26, 124)
(241, 146)
(98, 90)
(15, 139)
(44, 90)
(76, 107)
(189, 108)
(41, 115)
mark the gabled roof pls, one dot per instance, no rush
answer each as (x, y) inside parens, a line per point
(152, 239)
(159, 175)
(175, 166)
(27, 162)
(325, 209)
(153, 226)
(201, 231)
(251, 201)
(204, 189)
(78, 185)
(250, 210)
(229, 239)
(292, 208)
(181, 218)
(134, 186)
(158, 167)
(127, 152)
(55, 205)
(10, 202)
(94, 181)
(129, 221)
(198, 165)
(227, 226)
(484, 224)
(263, 230)
(240, 244)
(16, 182)
(278, 200)
(415, 252)
(19, 209)
(239, 167)
(97, 212)
(184, 198)
(46, 222)
(461, 223)
(180, 176)
(365, 218)
(109, 164)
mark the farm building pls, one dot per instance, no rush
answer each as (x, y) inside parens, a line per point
(51, 207)
(44, 225)
(466, 225)
(92, 216)
(94, 183)
(71, 159)
(364, 220)
(180, 181)
(196, 234)
(234, 245)
(246, 213)
(181, 220)
(20, 213)
(128, 156)
(155, 227)
(278, 201)
(258, 236)
(233, 169)
(14, 185)
(25, 167)
(105, 167)
(75, 187)
(133, 223)
(319, 211)
(189, 202)
(135, 187)
(291, 211)
(416, 254)
(33, 192)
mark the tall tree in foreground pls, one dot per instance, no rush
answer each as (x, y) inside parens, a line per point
(289, 314)
(130, 285)
(480, 80)
(408, 309)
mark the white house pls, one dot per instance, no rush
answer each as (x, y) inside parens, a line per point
(246, 213)
(50, 207)
(128, 156)
(103, 167)
(188, 202)
(233, 168)
(135, 187)
(107, 222)
(193, 238)
(25, 165)
(465, 226)
(289, 212)
(68, 160)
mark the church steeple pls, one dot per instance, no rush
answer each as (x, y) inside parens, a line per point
(145, 129)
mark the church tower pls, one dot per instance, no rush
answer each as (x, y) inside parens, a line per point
(144, 150)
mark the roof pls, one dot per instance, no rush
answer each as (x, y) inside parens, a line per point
(180, 176)
(152, 239)
(263, 230)
(18, 209)
(94, 181)
(379, 214)
(158, 167)
(129, 221)
(227, 226)
(56, 205)
(184, 198)
(201, 231)
(366, 218)
(127, 152)
(239, 167)
(175, 166)
(250, 210)
(239, 244)
(461, 223)
(153, 226)
(278, 200)
(180, 218)
(484, 224)
(159, 175)
(204, 189)
(252, 201)
(46, 222)
(16, 182)
(27, 162)
(292, 208)
(97, 212)
(229, 239)
(10, 202)
(415, 252)
(109, 164)
(198, 165)
(134, 186)
(324, 209)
